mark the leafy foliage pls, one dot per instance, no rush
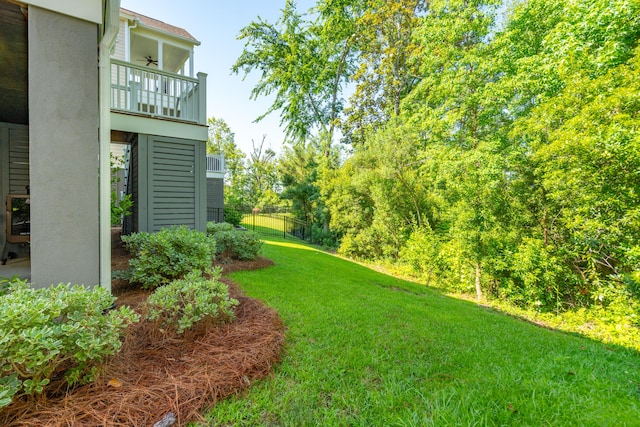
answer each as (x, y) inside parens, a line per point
(261, 175)
(232, 215)
(63, 330)
(388, 64)
(493, 149)
(233, 243)
(221, 140)
(169, 254)
(191, 303)
(238, 244)
(303, 64)
(120, 206)
(217, 227)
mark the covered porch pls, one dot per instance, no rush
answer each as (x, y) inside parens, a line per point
(49, 145)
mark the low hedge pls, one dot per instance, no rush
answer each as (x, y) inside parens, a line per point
(167, 255)
(243, 245)
(63, 331)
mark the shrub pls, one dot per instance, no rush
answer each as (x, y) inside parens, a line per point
(167, 255)
(63, 331)
(192, 302)
(543, 280)
(232, 215)
(5, 283)
(422, 255)
(217, 227)
(325, 238)
(119, 208)
(242, 245)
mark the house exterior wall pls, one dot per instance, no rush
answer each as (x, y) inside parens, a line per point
(153, 126)
(64, 148)
(215, 199)
(215, 193)
(119, 50)
(168, 183)
(130, 222)
(88, 10)
(4, 181)
(18, 139)
(14, 167)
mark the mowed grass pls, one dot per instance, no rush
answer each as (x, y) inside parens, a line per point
(367, 349)
(262, 223)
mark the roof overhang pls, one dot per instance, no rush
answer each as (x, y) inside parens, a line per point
(87, 10)
(154, 29)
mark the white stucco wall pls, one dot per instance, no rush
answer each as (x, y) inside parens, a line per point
(64, 148)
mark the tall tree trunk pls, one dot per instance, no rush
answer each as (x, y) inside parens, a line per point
(478, 287)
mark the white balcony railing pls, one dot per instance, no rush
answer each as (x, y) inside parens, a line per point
(215, 163)
(138, 89)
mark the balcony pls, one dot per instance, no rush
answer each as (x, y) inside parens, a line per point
(159, 94)
(215, 166)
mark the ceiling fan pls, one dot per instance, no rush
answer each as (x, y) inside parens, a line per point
(149, 60)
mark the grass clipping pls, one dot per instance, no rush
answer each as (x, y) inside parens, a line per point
(155, 374)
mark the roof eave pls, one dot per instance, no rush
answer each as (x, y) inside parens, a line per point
(167, 33)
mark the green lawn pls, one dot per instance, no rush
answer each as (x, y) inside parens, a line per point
(367, 349)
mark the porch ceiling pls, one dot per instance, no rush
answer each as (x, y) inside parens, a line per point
(173, 57)
(14, 99)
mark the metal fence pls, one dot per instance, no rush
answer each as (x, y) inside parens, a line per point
(215, 214)
(269, 220)
(280, 225)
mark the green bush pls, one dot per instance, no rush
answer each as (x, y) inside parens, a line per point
(5, 283)
(232, 215)
(422, 255)
(542, 279)
(63, 331)
(236, 244)
(192, 302)
(169, 254)
(119, 208)
(217, 227)
(325, 238)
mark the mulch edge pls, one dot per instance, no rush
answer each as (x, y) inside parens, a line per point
(223, 360)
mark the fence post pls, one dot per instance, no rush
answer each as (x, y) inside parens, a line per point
(284, 229)
(254, 221)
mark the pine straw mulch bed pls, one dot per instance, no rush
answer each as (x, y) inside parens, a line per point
(155, 374)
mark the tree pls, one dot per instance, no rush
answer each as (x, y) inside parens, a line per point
(298, 170)
(388, 64)
(222, 141)
(261, 175)
(457, 111)
(499, 156)
(578, 133)
(304, 65)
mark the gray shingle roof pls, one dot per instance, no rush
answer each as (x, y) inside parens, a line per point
(159, 25)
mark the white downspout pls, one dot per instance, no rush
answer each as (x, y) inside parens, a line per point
(104, 70)
(127, 37)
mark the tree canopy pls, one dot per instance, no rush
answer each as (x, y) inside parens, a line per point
(494, 147)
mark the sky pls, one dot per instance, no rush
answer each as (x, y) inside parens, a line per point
(216, 23)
